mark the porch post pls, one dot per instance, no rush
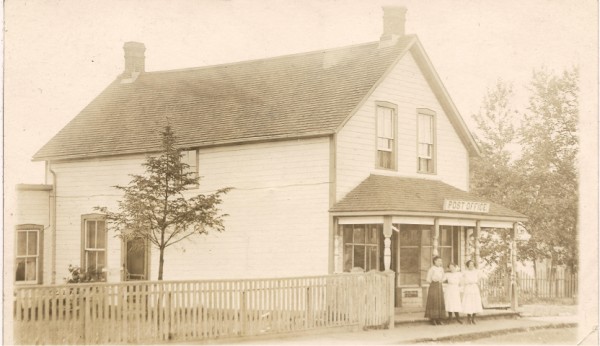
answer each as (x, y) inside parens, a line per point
(514, 301)
(476, 242)
(387, 242)
(436, 237)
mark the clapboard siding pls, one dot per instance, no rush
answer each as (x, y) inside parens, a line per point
(406, 87)
(278, 223)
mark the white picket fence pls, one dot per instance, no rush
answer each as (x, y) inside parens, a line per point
(156, 311)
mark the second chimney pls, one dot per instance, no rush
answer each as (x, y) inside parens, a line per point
(135, 61)
(394, 18)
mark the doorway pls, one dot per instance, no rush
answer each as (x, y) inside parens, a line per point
(136, 259)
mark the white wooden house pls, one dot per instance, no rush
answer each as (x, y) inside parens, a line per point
(343, 158)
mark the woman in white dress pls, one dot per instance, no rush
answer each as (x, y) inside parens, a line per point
(471, 302)
(452, 292)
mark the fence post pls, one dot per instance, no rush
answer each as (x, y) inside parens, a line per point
(391, 297)
(309, 308)
(243, 312)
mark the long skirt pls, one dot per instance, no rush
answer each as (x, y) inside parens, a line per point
(435, 308)
(452, 298)
(471, 302)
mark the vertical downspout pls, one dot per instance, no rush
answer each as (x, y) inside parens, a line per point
(53, 223)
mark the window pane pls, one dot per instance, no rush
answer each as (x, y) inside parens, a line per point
(359, 256)
(90, 241)
(20, 266)
(90, 260)
(372, 256)
(101, 235)
(446, 255)
(359, 235)
(101, 260)
(384, 159)
(410, 237)
(372, 235)
(30, 269)
(455, 245)
(347, 258)
(21, 243)
(425, 128)
(425, 262)
(32, 243)
(347, 234)
(446, 236)
(426, 236)
(409, 260)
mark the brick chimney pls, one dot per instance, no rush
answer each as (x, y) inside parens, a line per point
(135, 61)
(394, 18)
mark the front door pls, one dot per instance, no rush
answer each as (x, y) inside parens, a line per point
(136, 259)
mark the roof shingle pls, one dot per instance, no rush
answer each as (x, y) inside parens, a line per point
(290, 96)
(380, 193)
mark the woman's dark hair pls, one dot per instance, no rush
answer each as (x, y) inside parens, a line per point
(435, 259)
(467, 264)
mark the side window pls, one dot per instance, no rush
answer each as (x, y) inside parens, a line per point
(426, 141)
(28, 255)
(386, 136)
(361, 246)
(94, 239)
(190, 158)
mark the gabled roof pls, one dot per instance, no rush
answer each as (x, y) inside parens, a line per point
(294, 96)
(402, 195)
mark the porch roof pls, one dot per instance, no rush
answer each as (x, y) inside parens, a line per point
(391, 194)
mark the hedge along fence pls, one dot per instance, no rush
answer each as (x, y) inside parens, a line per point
(155, 311)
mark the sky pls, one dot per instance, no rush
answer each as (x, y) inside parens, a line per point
(59, 55)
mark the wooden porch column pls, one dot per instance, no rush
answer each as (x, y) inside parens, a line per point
(436, 237)
(476, 243)
(387, 242)
(514, 301)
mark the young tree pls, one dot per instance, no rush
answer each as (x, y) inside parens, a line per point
(154, 207)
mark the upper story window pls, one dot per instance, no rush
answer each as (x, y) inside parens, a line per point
(94, 239)
(426, 141)
(28, 256)
(386, 135)
(190, 157)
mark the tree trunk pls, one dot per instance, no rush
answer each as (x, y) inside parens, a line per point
(161, 262)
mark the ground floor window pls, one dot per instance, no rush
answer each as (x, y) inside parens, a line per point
(94, 239)
(362, 246)
(28, 253)
(449, 245)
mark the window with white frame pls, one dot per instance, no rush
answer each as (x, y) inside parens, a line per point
(28, 256)
(386, 141)
(426, 142)
(190, 158)
(361, 246)
(94, 245)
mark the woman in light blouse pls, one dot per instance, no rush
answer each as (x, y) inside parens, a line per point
(471, 302)
(435, 309)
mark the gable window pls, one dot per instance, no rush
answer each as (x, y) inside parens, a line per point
(386, 136)
(426, 141)
(94, 240)
(361, 246)
(190, 158)
(28, 257)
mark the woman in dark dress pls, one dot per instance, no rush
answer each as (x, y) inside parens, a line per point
(435, 309)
